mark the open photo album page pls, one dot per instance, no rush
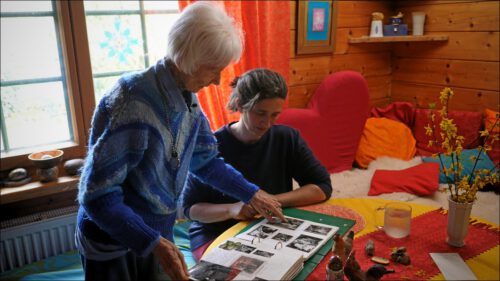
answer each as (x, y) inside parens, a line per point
(298, 235)
(266, 251)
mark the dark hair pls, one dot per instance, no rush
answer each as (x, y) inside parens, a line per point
(256, 85)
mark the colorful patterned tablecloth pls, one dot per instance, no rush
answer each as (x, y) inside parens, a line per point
(428, 234)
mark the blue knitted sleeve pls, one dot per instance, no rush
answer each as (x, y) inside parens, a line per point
(212, 170)
(121, 223)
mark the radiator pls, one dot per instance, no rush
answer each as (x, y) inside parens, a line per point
(35, 237)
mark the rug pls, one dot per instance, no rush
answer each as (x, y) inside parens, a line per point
(428, 234)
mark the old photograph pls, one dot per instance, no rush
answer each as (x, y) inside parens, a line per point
(263, 253)
(291, 224)
(208, 271)
(263, 231)
(318, 229)
(304, 243)
(245, 249)
(230, 245)
(282, 237)
(268, 230)
(247, 264)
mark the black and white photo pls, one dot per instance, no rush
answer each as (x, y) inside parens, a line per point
(291, 223)
(318, 229)
(245, 249)
(282, 237)
(263, 253)
(304, 243)
(208, 271)
(247, 264)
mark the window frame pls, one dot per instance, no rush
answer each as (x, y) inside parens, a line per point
(76, 56)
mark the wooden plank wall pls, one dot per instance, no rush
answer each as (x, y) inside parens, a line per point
(468, 62)
(373, 61)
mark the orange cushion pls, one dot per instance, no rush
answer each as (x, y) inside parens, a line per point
(385, 137)
(420, 180)
(489, 121)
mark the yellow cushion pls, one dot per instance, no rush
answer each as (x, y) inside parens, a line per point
(385, 137)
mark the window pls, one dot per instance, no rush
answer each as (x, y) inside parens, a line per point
(35, 109)
(57, 60)
(126, 36)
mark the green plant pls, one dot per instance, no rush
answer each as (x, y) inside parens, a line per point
(462, 187)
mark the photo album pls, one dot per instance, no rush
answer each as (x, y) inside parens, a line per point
(265, 251)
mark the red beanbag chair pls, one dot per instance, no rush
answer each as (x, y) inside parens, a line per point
(420, 180)
(334, 119)
(468, 124)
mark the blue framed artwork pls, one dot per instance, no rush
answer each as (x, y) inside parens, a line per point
(316, 26)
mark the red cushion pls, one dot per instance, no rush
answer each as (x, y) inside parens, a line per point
(420, 180)
(468, 123)
(403, 112)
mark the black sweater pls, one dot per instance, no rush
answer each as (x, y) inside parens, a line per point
(271, 163)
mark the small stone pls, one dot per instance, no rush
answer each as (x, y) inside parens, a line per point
(16, 183)
(401, 250)
(397, 253)
(394, 256)
(73, 166)
(49, 174)
(18, 174)
(375, 272)
(380, 260)
(405, 260)
(370, 248)
(46, 157)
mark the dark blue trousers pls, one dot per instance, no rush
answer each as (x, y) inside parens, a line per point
(128, 267)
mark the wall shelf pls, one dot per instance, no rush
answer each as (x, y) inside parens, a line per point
(407, 38)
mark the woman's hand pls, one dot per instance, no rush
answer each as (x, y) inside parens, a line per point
(171, 260)
(267, 205)
(241, 211)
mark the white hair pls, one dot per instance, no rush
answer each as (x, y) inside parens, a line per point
(204, 35)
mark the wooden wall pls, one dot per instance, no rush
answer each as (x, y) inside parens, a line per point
(373, 61)
(468, 62)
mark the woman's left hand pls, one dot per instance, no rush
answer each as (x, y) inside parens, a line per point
(267, 205)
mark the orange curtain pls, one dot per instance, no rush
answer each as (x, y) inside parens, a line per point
(266, 25)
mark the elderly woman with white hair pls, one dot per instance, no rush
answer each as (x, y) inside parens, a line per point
(147, 134)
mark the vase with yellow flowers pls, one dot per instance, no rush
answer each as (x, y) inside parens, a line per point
(462, 186)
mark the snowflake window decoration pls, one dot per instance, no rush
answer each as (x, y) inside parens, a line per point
(119, 42)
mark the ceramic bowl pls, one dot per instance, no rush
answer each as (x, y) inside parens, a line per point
(46, 159)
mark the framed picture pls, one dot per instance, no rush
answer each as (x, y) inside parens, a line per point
(316, 26)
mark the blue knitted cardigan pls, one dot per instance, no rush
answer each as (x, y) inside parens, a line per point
(129, 186)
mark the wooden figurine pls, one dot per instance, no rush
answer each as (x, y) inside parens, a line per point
(352, 269)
